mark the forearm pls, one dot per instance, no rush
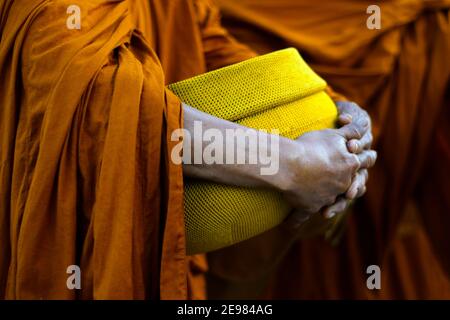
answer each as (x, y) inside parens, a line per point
(240, 174)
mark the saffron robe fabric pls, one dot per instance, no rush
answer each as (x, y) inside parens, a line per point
(400, 74)
(85, 123)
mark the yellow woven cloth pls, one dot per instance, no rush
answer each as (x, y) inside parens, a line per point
(274, 91)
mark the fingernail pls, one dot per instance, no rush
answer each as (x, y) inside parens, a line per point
(353, 145)
(347, 117)
(330, 214)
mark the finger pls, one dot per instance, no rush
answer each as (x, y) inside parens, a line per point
(361, 192)
(367, 159)
(352, 131)
(357, 187)
(358, 146)
(344, 107)
(357, 183)
(360, 118)
(344, 119)
(365, 173)
(355, 111)
(340, 206)
(366, 140)
(363, 189)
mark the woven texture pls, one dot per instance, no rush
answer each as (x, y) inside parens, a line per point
(273, 91)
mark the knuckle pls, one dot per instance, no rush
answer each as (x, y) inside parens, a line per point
(352, 162)
(354, 105)
(365, 122)
(356, 132)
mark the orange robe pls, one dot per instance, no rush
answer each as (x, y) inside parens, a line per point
(189, 40)
(400, 74)
(85, 123)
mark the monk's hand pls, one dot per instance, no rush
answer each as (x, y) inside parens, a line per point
(356, 118)
(356, 190)
(322, 168)
(353, 116)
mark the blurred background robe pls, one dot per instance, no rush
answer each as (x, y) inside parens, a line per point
(400, 74)
(86, 175)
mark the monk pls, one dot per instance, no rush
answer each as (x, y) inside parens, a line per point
(86, 177)
(400, 73)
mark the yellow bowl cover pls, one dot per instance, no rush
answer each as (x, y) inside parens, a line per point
(273, 91)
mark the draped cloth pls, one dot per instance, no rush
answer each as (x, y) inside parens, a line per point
(400, 74)
(85, 124)
(189, 39)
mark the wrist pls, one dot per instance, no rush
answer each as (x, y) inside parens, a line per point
(290, 153)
